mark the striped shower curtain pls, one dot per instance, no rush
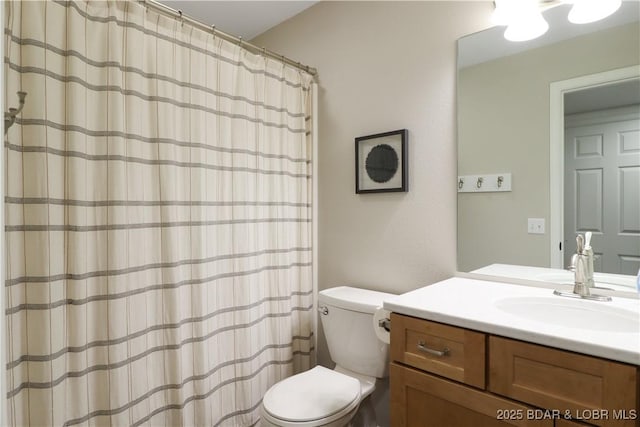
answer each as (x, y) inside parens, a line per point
(158, 220)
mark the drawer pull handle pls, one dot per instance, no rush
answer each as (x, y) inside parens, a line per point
(439, 353)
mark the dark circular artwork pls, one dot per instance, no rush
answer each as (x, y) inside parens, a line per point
(382, 163)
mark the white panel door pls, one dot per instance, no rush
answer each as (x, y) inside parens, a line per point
(602, 193)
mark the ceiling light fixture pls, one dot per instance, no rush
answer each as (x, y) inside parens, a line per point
(524, 19)
(502, 14)
(526, 22)
(586, 11)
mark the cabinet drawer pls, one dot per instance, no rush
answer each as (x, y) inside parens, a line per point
(422, 400)
(557, 379)
(452, 352)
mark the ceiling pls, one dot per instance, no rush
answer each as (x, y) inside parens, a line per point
(246, 19)
(603, 97)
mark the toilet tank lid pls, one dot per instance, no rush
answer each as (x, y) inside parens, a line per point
(354, 299)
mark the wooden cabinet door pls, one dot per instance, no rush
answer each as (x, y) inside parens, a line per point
(598, 391)
(423, 400)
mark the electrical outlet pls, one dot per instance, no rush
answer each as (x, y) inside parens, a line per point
(535, 225)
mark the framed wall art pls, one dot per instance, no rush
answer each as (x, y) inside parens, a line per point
(381, 162)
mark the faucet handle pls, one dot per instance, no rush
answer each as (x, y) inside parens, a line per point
(579, 243)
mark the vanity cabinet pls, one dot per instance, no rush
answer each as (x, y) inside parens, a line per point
(443, 375)
(419, 399)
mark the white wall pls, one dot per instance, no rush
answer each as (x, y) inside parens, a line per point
(384, 66)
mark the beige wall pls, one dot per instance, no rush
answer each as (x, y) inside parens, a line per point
(504, 127)
(384, 66)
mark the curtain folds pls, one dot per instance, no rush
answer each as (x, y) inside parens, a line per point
(158, 220)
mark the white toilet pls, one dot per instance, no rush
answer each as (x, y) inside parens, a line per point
(332, 398)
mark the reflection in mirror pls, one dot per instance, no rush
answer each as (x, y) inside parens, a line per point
(504, 126)
(602, 174)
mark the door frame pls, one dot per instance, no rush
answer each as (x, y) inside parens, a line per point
(557, 90)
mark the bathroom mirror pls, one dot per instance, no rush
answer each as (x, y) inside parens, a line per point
(509, 119)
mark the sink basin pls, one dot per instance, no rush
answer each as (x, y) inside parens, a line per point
(594, 316)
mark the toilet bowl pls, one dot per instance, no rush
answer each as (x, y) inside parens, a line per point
(322, 397)
(318, 397)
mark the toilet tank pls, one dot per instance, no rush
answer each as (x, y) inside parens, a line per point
(348, 328)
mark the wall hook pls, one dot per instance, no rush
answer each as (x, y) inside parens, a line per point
(485, 183)
(10, 117)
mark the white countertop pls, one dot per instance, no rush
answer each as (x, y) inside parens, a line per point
(470, 303)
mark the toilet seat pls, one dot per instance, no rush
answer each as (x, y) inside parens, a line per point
(313, 398)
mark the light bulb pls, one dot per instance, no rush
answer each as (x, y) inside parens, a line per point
(526, 24)
(502, 13)
(586, 11)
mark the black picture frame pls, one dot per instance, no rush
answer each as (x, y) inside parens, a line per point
(381, 162)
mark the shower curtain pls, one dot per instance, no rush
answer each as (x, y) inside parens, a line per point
(158, 220)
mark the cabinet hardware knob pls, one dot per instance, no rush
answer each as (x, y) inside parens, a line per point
(440, 353)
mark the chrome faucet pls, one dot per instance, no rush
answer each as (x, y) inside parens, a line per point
(581, 270)
(582, 266)
(588, 252)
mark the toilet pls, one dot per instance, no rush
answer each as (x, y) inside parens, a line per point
(335, 398)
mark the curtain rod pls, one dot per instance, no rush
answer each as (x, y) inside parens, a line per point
(226, 36)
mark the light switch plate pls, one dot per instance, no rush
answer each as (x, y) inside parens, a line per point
(535, 225)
